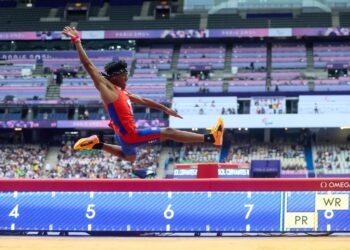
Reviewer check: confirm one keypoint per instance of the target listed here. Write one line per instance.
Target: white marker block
(92, 195)
(332, 202)
(15, 194)
(13, 226)
(167, 227)
(300, 220)
(170, 194)
(247, 227)
(328, 227)
(89, 227)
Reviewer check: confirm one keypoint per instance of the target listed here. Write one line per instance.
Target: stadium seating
(226, 21)
(197, 152)
(205, 105)
(344, 19)
(22, 161)
(326, 104)
(17, 67)
(82, 88)
(331, 159)
(151, 59)
(330, 53)
(249, 56)
(291, 156)
(212, 55)
(194, 85)
(98, 164)
(22, 92)
(290, 55)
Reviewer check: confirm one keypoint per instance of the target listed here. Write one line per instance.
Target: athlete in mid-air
(117, 101)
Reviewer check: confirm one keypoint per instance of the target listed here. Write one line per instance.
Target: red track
(213, 185)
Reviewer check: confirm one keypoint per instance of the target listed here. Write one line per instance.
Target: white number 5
(90, 211)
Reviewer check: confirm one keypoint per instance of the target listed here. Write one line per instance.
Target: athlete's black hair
(116, 68)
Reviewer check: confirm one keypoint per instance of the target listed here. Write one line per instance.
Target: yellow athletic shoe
(218, 132)
(86, 143)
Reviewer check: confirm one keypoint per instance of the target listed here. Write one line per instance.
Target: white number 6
(168, 213)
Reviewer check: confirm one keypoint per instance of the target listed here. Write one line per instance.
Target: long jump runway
(170, 243)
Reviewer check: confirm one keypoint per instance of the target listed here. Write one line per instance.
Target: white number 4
(90, 211)
(250, 208)
(14, 212)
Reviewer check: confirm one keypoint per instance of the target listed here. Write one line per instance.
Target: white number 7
(250, 208)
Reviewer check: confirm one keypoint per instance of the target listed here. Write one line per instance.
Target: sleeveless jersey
(121, 114)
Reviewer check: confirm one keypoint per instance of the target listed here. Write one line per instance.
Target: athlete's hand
(169, 111)
(70, 31)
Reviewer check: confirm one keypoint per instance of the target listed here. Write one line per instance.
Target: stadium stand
(29, 161)
(331, 159)
(324, 104)
(97, 164)
(249, 60)
(201, 54)
(330, 53)
(238, 71)
(249, 56)
(226, 21)
(289, 56)
(291, 156)
(205, 105)
(149, 60)
(22, 161)
(28, 19)
(197, 153)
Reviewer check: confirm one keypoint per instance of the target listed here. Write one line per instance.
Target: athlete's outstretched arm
(88, 65)
(152, 104)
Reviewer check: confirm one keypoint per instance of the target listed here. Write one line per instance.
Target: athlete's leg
(93, 142)
(117, 151)
(188, 137)
(180, 136)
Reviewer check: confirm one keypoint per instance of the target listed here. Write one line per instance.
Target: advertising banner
(238, 33)
(61, 54)
(132, 34)
(179, 34)
(263, 121)
(78, 124)
(225, 170)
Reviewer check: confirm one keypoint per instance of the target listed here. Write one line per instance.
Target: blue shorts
(129, 142)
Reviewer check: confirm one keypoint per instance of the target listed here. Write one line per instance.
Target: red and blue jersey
(123, 124)
(121, 114)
